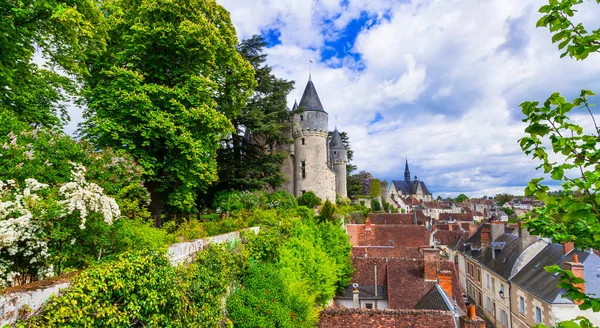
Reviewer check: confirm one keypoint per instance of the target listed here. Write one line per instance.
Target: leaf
(538, 129)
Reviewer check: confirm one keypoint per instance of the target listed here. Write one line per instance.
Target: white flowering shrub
(25, 213)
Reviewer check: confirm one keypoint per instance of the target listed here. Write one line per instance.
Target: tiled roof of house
(446, 237)
(406, 285)
(537, 281)
(504, 258)
(456, 217)
(388, 235)
(385, 218)
(387, 251)
(433, 300)
(340, 317)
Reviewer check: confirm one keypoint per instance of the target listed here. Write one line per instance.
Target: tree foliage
(61, 32)
(164, 89)
(375, 188)
(461, 198)
(573, 159)
(254, 152)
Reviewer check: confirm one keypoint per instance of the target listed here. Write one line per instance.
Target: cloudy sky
(438, 81)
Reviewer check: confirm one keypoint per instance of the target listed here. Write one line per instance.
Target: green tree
(375, 188)
(163, 90)
(501, 199)
(61, 31)
(375, 205)
(253, 154)
(575, 158)
(461, 198)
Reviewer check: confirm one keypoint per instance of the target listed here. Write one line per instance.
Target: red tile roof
(446, 237)
(385, 218)
(384, 251)
(382, 234)
(339, 317)
(456, 216)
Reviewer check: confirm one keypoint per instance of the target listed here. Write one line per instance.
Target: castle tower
(309, 130)
(339, 159)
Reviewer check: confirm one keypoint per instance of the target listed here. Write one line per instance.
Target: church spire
(295, 105)
(406, 172)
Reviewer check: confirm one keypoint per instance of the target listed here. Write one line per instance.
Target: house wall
(564, 312)
(462, 271)
(498, 304)
(527, 319)
(349, 304)
(474, 277)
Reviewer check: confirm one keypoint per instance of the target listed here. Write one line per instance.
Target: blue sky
(437, 81)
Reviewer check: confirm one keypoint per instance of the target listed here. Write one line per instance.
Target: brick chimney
(577, 269)
(496, 230)
(471, 320)
(450, 226)
(445, 281)
(430, 263)
(525, 239)
(472, 229)
(568, 247)
(368, 224)
(485, 237)
(355, 299)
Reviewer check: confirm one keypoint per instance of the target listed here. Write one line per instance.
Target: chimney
(368, 224)
(355, 300)
(471, 320)
(577, 269)
(445, 281)
(450, 226)
(366, 253)
(472, 229)
(497, 229)
(525, 239)
(485, 237)
(568, 247)
(430, 263)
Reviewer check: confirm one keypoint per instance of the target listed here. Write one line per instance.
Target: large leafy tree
(252, 156)
(60, 31)
(574, 159)
(163, 90)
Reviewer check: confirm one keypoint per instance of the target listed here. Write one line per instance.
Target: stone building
(406, 188)
(316, 162)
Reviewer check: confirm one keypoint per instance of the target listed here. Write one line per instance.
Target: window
(538, 315)
(488, 304)
(487, 281)
(478, 275)
(301, 117)
(493, 285)
(303, 169)
(335, 152)
(502, 290)
(521, 305)
(369, 306)
(303, 141)
(503, 318)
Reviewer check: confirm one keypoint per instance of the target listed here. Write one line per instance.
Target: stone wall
(337, 317)
(30, 298)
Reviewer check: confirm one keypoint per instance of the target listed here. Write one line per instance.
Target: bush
(327, 212)
(144, 289)
(281, 200)
(229, 201)
(343, 201)
(394, 210)
(190, 229)
(375, 188)
(309, 199)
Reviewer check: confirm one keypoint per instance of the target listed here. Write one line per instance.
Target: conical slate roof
(336, 140)
(310, 99)
(295, 105)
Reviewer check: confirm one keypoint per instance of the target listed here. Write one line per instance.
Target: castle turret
(310, 145)
(339, 159)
